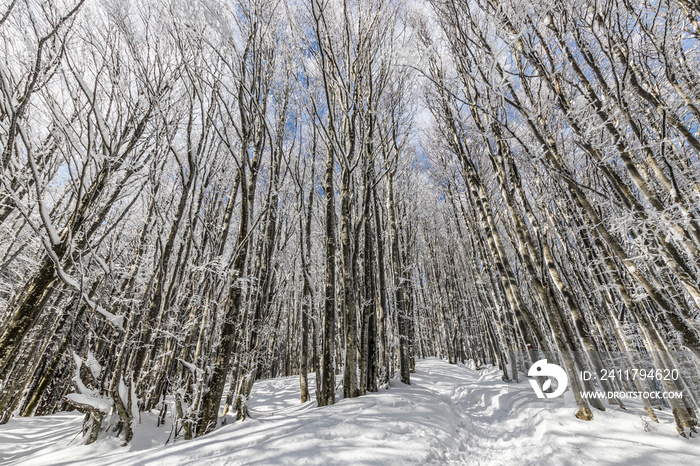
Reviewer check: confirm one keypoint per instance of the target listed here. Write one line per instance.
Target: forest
(199, 195)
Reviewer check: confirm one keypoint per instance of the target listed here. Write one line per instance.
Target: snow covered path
(450, 414)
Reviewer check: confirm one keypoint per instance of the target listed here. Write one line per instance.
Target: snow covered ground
(450, 414)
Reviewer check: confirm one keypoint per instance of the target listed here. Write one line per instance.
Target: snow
(46, 218)
(99, 403)
(93, 365)
(85, 395)
(450, 414)
(78, 381)
(192, 368)
(134, 401)
(116, 321)
(123, 392)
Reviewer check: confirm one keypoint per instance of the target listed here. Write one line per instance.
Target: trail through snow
(450, 414)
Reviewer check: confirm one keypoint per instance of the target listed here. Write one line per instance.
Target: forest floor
(450, 414)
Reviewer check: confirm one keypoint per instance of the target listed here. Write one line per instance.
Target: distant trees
(196, 195)
(355, 75)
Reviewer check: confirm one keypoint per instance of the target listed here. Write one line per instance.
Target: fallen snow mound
(450, 414)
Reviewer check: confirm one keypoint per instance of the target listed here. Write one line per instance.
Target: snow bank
(451, 414)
